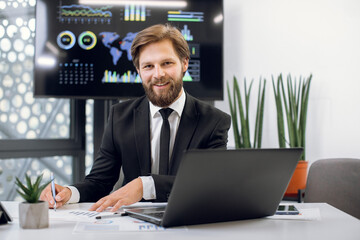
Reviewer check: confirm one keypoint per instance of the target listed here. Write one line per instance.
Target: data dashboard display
(83, 46)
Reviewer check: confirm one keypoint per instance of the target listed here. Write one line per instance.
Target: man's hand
(128, 194)
(63, 195)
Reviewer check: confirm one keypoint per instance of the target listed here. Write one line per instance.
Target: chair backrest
(336, 182)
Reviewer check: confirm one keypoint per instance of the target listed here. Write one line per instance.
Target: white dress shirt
(149, 191)
(155, 129)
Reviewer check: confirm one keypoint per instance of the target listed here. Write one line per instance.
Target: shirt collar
(177, 106)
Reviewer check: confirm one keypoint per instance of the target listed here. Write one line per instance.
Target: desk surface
(334, 224)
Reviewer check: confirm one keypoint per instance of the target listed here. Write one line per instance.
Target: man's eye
(147, 66)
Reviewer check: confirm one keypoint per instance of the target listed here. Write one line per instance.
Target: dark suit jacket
(126, 144)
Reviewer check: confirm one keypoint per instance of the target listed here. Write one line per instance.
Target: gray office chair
(336, 182)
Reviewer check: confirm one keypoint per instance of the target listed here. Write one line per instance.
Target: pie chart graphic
(87, 40)
(66, 40)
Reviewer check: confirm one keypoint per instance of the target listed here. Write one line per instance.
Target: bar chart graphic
(114, 77)
(186, 33)
(194, 50)
(180, 16)
(193, 72)
(135, 13)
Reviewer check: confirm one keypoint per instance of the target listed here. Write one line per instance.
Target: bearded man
(147, 136)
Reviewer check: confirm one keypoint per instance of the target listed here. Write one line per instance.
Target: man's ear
(138, 71)
(185, 64)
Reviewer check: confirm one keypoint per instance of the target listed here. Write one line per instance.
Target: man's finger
(64, 195)
(118, 205)
(96, 205)
(105, 205)
(47, 197)
(43, 194)
(50, 198)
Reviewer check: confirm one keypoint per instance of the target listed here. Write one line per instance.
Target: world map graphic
(116, 45)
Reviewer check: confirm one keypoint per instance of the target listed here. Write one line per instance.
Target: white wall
(322, 37)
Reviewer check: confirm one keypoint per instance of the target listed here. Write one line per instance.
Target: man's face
(161, 72)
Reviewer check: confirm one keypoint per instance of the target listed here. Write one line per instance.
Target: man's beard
(166, 97)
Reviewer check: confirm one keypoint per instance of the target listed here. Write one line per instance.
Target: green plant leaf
(304, 107)
(287, 107)
(295, 106)
(260, 115)
(236, 88)
(257, 117)
(28, 182)
(240, 114)
(234, 116)
(245, 119)
(24, 196)
(279, 108)
(32, 191)
(22, 187)
(244, 133)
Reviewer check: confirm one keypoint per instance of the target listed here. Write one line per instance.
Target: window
(37, 136)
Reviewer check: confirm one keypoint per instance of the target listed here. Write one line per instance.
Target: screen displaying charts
(83, 47)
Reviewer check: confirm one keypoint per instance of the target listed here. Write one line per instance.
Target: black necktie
(164, 141)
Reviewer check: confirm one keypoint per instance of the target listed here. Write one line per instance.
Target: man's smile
(161, 85)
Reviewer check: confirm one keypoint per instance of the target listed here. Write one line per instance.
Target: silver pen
(53, 188)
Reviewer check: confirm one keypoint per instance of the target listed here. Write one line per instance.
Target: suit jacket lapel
(187, 126)
(142, 136)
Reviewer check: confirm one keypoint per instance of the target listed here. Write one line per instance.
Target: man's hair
(157, 33)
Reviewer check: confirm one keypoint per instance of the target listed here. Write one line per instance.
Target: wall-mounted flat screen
(82, 47)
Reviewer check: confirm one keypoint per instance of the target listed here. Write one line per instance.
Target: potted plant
(293, 101)
(33, 213)
(239, 110)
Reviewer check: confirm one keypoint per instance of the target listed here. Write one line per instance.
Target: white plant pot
(34, 215)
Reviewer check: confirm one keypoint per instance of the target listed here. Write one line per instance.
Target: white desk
(334, 224)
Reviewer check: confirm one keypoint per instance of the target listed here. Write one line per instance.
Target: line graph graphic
(76, 13)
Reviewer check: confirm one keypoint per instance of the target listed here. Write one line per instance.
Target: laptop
(224, 185)
(4, 216)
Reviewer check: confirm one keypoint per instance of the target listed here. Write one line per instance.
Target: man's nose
(159, 72)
